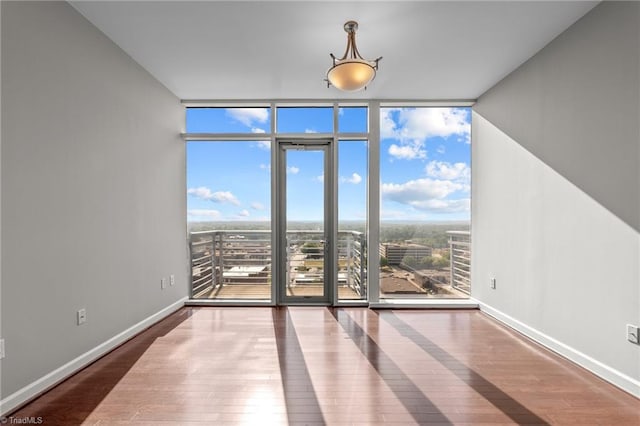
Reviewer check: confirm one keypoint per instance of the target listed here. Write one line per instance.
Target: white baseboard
(46, 382)
(611, 375)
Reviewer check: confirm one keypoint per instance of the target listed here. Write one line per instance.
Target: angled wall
(556, 194)
(93, 199)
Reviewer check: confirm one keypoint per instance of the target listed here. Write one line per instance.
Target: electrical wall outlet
(1, 348)
(633, 334)
(172, 279)
(163, 283)
(82, 316)
(492, 283)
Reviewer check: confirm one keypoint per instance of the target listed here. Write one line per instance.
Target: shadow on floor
(300, 397)
(412, 398)
(509, 406)
(72, 401)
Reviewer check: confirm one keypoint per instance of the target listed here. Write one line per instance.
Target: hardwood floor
(303, 365)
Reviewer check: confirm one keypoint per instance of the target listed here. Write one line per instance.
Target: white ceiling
(280, 50)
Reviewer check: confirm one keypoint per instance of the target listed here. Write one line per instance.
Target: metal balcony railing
(223, 258)
(460, 255)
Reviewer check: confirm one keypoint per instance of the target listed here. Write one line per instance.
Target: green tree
(427, 262)
(440, 262)
(312, 250)
(411, 261)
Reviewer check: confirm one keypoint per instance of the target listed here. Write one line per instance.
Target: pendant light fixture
(351, 72)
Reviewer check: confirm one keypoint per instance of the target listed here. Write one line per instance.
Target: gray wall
(0, 200)
(556, 187)
(93, 190)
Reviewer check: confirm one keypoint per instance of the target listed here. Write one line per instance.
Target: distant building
(246, 275)
(395, 253)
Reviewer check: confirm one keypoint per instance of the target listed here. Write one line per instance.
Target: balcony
(236, 265)
(460, 254)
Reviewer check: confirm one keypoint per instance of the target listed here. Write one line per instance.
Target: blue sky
(425, 164)
(425, 158)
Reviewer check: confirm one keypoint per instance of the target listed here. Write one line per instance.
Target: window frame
(372, 136)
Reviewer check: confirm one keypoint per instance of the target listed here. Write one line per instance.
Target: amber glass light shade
(351, 75)
(351, 72)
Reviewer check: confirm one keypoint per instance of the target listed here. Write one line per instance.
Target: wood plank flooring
(304, 365)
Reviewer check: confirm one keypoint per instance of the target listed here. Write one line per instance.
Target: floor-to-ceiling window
(229, 204)
(425, 178)
(352, 175)
(279, 202)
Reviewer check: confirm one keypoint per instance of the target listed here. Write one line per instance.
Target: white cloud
(354, 179)
(225, 197)
(426, 195)
(419, 189)
(248, 116)
(200, 192)
(203, 214)
(257, 130)
(444, 206)
(266, 145)
(310, 131)
(217, 197)
(293, 170)
(387, 125)
(441, 149)
(408, 151)
(422, 123)
(319, 178)
(257, 206)
(244, 213)
(449, 171)
(265, 166)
